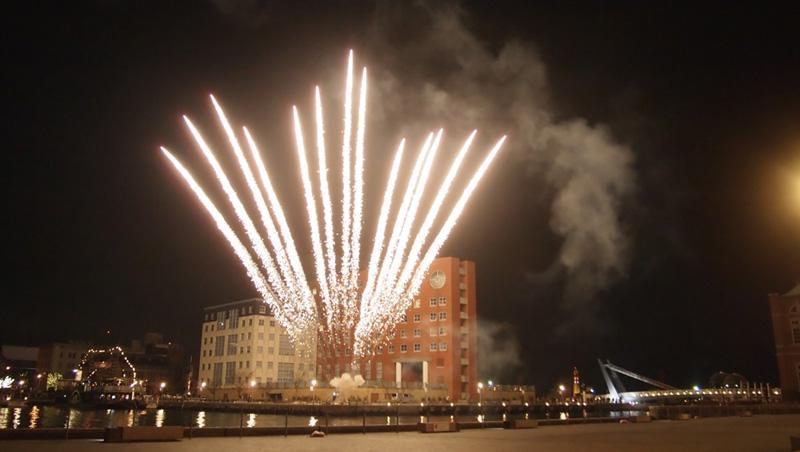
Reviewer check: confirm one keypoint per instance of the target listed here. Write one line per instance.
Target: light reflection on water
(59, 417)
(34, 417)
(17, 417)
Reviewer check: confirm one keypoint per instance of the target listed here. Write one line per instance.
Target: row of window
(433, 346)
(285, 372)
(258, 364)
(221, 324)
(230, 313)
(260, 336)
(432, 317)
(285, 347)
(432, 302)
(432, 331)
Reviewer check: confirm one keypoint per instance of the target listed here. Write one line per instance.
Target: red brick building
(785, 313)
(436, 344)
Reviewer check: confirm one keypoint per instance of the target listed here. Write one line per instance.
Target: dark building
(785, 312)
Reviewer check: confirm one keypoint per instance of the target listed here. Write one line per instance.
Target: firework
(341, 312)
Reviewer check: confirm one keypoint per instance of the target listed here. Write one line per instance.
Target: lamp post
(480, 395)
(561, 389)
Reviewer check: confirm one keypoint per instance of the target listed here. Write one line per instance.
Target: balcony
(463, 300)
(464, 362)
(463, 315)
(462, 286)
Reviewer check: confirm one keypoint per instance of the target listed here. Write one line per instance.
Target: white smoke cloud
(443, 74)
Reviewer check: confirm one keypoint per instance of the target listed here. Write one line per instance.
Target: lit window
(432, 331)
(416, 303)
(403, 348)
(443, 346)
(433, 316)
(442, 315)
(433, 347)
(417, 347)
(442, 331)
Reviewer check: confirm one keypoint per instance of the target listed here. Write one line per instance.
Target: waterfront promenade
(758, 433)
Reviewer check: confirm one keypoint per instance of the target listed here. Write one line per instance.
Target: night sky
(99, 234)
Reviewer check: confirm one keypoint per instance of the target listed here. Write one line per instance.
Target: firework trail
(341, 312)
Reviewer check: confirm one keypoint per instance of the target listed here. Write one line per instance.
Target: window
(416, 318)
(379, 371)
(285, 347)
(433, 316)
(260, 349)
(204, 343)
(271, 323)
(250, 323)
(271, 351)
(417, 347)
(433, 347)
(248, 349)
(404, 318)
(432, 331)
(217, 378)
(230, 372)
(261, 322)
(219, 349)
(442, 315)
(442, 301)
(269, 365)
(241, 363)
(368, 372)
(285, 372)
(442, 331)
(262, 309)
(391, 349)
(249, 336)
(272, 336)
(380, 350)
(259, 364)
(403, 348)
(247, 364)
(417, 332)
(205, 330)
(402, 333)
(260, 336)
(232, 344)
(416, 303)
(392, 334)
(432, 302)
(443, 346)
(242, 335)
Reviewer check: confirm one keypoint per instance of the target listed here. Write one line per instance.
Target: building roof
(18, 354)
(794, 292)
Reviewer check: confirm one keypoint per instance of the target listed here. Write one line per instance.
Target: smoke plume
(442, 74)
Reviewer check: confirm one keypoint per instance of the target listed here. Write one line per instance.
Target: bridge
(742, 390)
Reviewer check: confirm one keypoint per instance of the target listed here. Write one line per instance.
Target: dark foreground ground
(760, 433)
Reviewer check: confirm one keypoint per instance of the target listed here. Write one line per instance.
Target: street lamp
(561, 389)
(480, 396)
(252, 383)
(162, 386)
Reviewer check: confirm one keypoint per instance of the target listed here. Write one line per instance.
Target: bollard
(397, 420)
(364, 423)
(286, 424)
